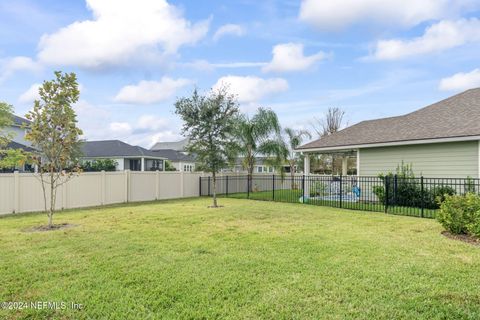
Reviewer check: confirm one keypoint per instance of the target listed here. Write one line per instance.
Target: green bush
(319, 189)
(99, 165)
(405, 190)
(460, 214)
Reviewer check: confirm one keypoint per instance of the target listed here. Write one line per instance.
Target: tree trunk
(214, 178)
(250, 178)
(292, 177)
(52, 201)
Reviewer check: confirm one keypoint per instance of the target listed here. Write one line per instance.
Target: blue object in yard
(356, 190)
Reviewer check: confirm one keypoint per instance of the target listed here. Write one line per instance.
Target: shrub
(99, 165)
(460, 214)
(405, 190)
(319, 189)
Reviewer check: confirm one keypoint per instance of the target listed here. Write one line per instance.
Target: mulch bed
(462, 237)
(52, 228)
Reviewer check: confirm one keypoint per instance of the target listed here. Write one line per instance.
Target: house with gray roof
(17, 131)
(180, 160)
(126, 156)
(175, 145)
(440, 140)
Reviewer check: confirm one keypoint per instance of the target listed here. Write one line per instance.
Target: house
(440, 140)
(17, 131)
(176, 154)
(261, 166)
(128, 157)
(176, 145)
(179, 160)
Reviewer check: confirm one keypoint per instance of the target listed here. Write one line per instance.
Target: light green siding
(452, 159)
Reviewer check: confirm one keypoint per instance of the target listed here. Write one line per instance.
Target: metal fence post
(303, 188)
(209, 186)
(341, 191)
(273, 187)
(422, 196)
(199, 186)
(387, 193)
(395, 188)
(226, 186)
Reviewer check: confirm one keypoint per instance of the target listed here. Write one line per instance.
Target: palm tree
(293, 139)
(258, 136)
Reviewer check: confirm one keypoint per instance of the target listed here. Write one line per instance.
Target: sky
(134, 58)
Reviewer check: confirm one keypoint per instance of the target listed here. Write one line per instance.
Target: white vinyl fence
(22, 192)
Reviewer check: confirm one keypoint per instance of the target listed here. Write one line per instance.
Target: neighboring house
(260, 166)
(440, 140)
(18, 130)
(176, 145)
(128, 157)
(180, 160)
(176, 154)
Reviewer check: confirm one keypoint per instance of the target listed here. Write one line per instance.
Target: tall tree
(55, 134)
(259, 136)
(209, 123)
(330, 123)
(293, 139)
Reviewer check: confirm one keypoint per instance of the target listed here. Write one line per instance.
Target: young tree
(259, 136)
(209, 123)
(55, 134)
(293, 139)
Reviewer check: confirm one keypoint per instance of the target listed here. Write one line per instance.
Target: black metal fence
(391, 194)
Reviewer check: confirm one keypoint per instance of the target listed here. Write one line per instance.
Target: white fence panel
(23, 192)
(142, 186)
(115, 187)
(7, 193)
(84, 190)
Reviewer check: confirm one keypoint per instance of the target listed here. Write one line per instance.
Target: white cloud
(31, 94)
(147, 92)
(337, 14)
(461, 81)
(440, 36)
(251, 88)
(9, 66)
(290, 57)
(120, 128)
(229, 29)
(120, 31)
(144, 131)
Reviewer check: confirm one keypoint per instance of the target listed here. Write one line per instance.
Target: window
(153, 165)
(259, 169)
(135, 165)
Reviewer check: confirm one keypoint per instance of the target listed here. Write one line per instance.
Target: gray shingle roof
(15, 146)
(114, 148)
(457, 116)
(19, 121)
(177, 145)
(174, 155)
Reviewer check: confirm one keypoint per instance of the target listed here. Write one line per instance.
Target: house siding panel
(454, 159)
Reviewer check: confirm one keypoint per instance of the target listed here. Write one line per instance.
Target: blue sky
(134, 57)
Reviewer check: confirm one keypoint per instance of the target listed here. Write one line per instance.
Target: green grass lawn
(247, 260)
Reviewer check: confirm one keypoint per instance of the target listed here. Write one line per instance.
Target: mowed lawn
(248, 260)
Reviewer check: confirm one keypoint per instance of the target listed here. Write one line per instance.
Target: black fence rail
(391, 194)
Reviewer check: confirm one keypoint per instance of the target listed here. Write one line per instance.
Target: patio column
(306, 164)
(345, 165)
(142, 161)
